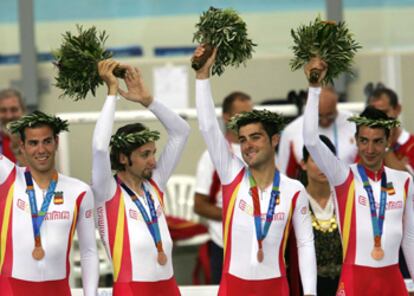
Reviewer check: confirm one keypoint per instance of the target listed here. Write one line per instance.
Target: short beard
(148, 176)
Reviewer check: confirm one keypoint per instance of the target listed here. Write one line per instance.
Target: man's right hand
(318, 64)
(105, 70)
(204, 71)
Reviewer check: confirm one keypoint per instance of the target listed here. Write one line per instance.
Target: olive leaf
(332, 42)
(77, 62)
(224, 29)
(36, 118)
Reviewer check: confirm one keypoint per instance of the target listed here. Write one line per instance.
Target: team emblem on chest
(58, 198)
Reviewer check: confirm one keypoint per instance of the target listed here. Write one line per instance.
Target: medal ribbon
(377, 221)
(39, 216)
(274, 196)
(152, 223)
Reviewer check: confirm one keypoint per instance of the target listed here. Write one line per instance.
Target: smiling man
(208, 195)
(259, 204)
(39, 211)
(375, 203)
(131, 219)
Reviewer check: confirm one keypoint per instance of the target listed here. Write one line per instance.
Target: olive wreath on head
(264, 116)
(36, 118)
(124, 140)
(370, 122)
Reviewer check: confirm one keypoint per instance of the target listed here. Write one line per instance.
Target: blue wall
(60, 10)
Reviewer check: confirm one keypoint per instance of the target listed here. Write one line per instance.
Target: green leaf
(77, 60)
(224, 29)
(332, 42)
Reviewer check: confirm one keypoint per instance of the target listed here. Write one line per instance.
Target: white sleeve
(306, 249)
(408, 229)
(283, 151)
(178, 131)
(334, 169)
(6, 166)
(103, 184)
(204, 174)
(87, 245)
(225, 162)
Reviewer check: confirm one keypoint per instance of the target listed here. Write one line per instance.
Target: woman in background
(325, 228)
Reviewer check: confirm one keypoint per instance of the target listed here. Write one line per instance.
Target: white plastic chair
(105, 267)
(179, 203)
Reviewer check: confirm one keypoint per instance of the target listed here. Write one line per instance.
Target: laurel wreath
(384, 123)
(36, 118)
(264, 116)
(123, 140)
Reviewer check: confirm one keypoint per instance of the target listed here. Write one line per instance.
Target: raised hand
(137, 91)
(315, 65)
(105, 70)
(204, 71)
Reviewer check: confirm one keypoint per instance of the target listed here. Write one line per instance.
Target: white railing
(144, 115)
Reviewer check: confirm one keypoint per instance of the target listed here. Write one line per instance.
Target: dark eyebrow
(256, 134)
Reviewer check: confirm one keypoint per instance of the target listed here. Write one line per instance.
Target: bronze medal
(377, 253)
(38, 253)
(260, 255)
(162, 258)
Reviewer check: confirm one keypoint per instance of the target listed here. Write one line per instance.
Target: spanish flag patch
(58, 198)
(390, 188)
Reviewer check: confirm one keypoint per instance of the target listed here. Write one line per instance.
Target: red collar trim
(375, 176)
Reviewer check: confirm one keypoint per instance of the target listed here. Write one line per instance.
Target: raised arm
(408, 228)
(87, 245)
(335, 169)
(103, 184)
(225, 162)
(177, 128)
(283, 154)
(302, 224)
(178, 131)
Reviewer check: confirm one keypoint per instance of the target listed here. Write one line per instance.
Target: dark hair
(391, 95)
(37, 125)
(372, 113)
(302, 175)
(116, 152)
(228, 101)
(326, 141)
(271, 129)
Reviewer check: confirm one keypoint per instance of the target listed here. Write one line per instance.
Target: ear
(398, 110)
(303, 165)
(123, 159)
(390, 139)
(57, 142)
(21, 146)
(226, 118)
(275, 140)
